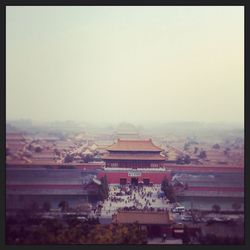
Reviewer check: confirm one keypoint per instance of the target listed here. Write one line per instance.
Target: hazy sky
(135, 64)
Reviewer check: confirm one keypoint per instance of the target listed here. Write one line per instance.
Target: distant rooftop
(134, 145)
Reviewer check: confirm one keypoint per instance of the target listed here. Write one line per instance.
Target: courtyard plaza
(134, 198)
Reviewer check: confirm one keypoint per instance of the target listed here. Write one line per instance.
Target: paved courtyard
(145, 197)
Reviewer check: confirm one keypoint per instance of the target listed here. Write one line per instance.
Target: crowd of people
(134, 208)
(129, 197)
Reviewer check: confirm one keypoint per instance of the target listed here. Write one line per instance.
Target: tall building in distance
(126, 131)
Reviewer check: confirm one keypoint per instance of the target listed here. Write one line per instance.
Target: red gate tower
(134, 161)
(134, 154)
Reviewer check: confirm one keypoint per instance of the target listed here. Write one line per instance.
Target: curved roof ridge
(134, 145)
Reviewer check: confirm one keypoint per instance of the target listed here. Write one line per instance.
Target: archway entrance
(134, 181)
(146, 182)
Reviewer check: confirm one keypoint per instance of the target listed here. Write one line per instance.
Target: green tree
(236, 206)
(226, 151)
(57, 152)
(203, 154)
(196, 150)
(64, 206)
(216, 208)
(46, 206)
(55, 231)
(216, 146)
(168, 189)
(38, 149)
(180, 159)
(88, 158)
(187, 159)
(68, 158)
(103, 188)
(164, 184)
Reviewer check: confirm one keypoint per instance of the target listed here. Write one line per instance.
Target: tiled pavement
(110, 207)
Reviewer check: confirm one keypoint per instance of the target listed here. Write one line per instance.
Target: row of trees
(189, 143)
(46, 206)
(183, 159)
(86, 158)
(54, 231)
(203, 154)
(63, 205)
(212, 239)
(235, 206)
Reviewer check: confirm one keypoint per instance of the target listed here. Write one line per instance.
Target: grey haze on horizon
(132, 64)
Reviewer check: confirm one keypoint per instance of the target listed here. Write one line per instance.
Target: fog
(134, 64)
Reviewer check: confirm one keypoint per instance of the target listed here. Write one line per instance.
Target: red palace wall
(133, 163)
(154, 177)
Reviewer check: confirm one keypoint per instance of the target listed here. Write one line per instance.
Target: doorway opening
(134, 181)
(146, 182)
